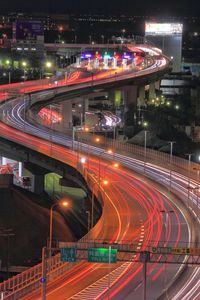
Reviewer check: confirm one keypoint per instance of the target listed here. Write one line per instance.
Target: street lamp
(145, 148)
(114, 165)
(171, 156)
(9, 73)
(24, 65)
(64, 204)
(109, 151)
(189, 167)
(46, 65)
(104, 182)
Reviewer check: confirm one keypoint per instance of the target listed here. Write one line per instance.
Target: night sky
(131, 7)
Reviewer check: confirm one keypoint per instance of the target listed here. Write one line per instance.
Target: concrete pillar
(66, 114)
(141, 98)
(125, 95)
(86, 104)
(157, 84)
(111, 97)
(37, 184)
(130, 93)
(79, 108)
(20, 169)
(4, 161)
(152, 91)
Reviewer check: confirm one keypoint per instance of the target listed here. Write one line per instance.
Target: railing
(150, 156)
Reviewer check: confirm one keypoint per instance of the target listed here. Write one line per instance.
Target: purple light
(88, 55)
(127, 56)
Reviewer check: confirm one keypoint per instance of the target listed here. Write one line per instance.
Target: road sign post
(144, 258)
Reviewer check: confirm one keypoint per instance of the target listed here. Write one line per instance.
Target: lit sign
(163, 28)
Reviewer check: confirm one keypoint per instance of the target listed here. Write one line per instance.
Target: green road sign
(102, 255)
(68, 254)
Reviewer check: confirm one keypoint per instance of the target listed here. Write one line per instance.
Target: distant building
(168, 37)
(28, 36)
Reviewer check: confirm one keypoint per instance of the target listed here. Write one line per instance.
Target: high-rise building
(168, 37)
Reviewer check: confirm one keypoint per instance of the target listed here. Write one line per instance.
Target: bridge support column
(152, 91)
(130, 94)
(66, 114)
(4, 161)
(80, 106)
(86, 104)
(141, 98)
(20, 169)
(124, 96)
(36, 174)
(37, 184)
(116, 98)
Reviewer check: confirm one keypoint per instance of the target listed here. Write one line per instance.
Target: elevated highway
(132, 209)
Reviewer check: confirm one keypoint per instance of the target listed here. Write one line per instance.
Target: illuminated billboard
(163, 28)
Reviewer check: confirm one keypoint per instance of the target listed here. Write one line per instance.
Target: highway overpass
(137, 202)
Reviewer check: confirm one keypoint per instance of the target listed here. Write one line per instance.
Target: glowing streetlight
(24, 65)
(48, 64)
(64, 204)
(7, 62)
(171, 157)
(109, 151)
(104, 182)
(97, 140)
(145, 124)
(9, 73)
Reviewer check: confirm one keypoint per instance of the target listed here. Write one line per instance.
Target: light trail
(127, 198)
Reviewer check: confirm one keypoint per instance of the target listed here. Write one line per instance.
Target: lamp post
(9, 73)
(105, 182)
(109, 151)
(189, 167)
(47, 65)
(171, 156)
(197, 187)
(145, 148)
(114, 165)
(24, 65)
(65, 204)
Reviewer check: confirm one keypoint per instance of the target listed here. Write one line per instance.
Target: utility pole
(43, 280)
